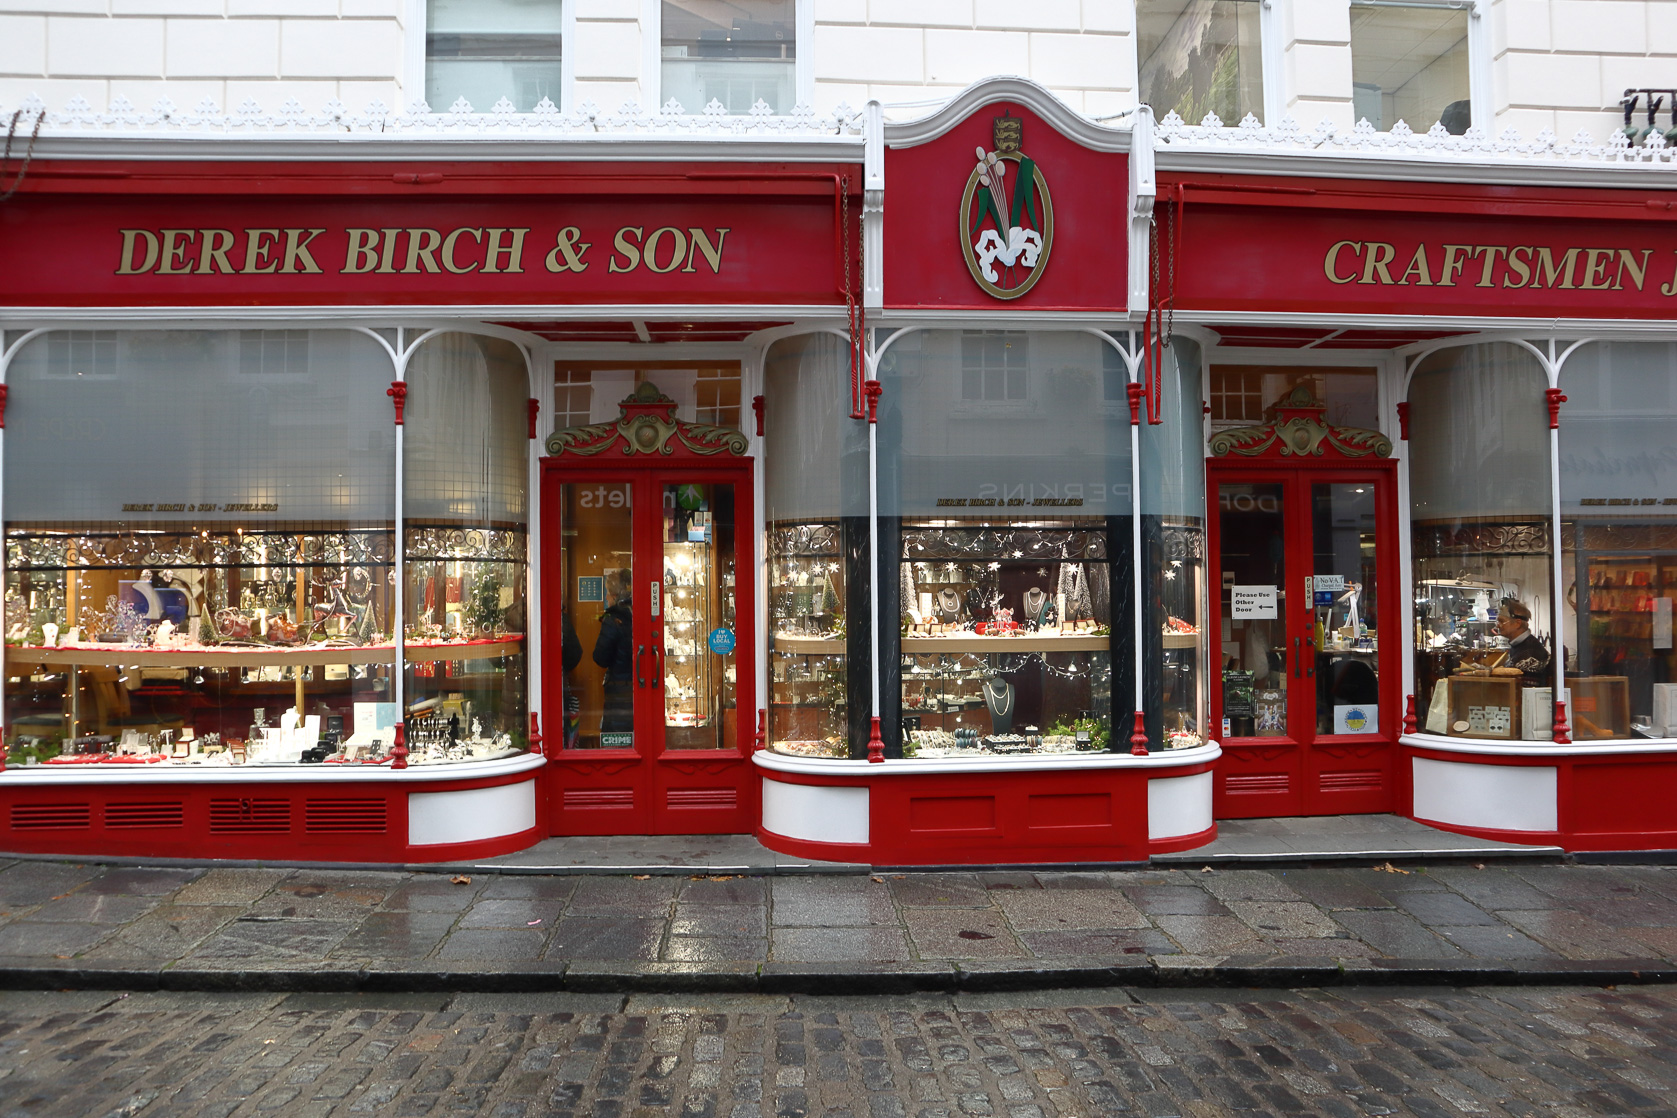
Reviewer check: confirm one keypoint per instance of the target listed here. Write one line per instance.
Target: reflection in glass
(1173, 549)
(1409, 63)
(1199, 57)
(1480, 509)
(1346, 614)
(806, 384)
(736, 53)
(596, 555)
(698, 667)
(466, 513)
(1251, 529)
(486, 50)
(199, 548)
(1619, 537)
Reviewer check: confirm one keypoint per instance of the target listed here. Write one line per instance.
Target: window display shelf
(1029, 642)
(1181, 640)
(811, 646)
(249, 657)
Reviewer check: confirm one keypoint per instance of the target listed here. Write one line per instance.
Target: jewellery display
(1000, 651)
(176, 637)
(808, 695)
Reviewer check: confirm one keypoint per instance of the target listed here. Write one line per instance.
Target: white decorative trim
(153, 775)
(420, 121)
(1046, 762)
(1403, 143)
(1037, 98)
(1542, 748)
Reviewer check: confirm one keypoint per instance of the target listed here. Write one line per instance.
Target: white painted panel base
(1496, 797)
(1178, 805)
(815, 813)
(470, 814)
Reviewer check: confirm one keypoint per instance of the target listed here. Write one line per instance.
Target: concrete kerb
(582, 976)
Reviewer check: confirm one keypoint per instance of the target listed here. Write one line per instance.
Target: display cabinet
(1006, 637)
(699, 683)
(807, 661)
(203, 646)
(1180, 623)
(465, 642)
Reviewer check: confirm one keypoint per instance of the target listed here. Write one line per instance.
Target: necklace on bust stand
(948, 604)
(998, 698)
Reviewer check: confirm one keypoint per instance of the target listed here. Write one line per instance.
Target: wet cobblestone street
(1351, 1051)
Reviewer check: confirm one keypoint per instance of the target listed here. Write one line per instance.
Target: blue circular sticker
(722, 641)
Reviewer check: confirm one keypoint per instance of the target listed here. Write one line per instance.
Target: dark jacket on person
(614, 649)
(571, 648)
(1527, 653)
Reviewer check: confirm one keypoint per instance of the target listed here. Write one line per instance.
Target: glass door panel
(697, 669)
(599, 655)
(1258, 651)
(1345, 607)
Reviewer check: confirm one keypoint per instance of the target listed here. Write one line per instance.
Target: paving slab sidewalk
(67, 925)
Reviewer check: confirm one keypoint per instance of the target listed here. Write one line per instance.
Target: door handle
(640, 651)
(1297, 657)
(657, 666)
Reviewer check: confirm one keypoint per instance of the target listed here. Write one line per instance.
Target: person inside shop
(614, 651)
(1525, 651)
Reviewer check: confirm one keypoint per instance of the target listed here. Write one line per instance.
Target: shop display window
(1007, 634)
(1005, 470)
(1480, 508)
(806, 480)
(466, 512)
(1173, 554)
(1410, 62)
(1619, 539)
(206, 576)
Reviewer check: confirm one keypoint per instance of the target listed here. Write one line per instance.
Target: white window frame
(415, 26)
(652, 54)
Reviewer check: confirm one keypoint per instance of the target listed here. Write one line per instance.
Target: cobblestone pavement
(560, 930)
(1353, 1051)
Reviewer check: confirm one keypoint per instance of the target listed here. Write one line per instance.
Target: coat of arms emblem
(1007, 217)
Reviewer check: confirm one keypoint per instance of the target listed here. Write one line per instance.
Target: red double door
(648, 672)
(1305, 602)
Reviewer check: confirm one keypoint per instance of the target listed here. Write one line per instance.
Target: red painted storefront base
(355, 816)
(957, 812)
(1583, 797)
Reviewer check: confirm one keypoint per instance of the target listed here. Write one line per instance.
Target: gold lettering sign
(461, 250)
(1498, 266)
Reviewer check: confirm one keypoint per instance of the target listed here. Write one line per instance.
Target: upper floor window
(484, 50)
(735, 52)
(1201, 56)
(994, 365)
(1409, 62)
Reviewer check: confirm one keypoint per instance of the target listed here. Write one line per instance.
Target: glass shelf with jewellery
(807, 661)
(1006, 637)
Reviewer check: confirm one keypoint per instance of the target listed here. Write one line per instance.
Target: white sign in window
(1256, 603)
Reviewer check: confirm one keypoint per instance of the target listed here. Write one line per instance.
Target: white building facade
(1531, 65)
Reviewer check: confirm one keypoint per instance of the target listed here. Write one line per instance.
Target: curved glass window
(1619, 539)
(1480, 507)
(1005, 472)
(1173, 550)
(465, 523)
(199, 547)
(806, 396)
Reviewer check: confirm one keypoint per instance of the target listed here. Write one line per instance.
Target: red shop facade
(996, 487)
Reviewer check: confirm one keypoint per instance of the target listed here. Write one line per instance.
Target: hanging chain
(850, 303)
(6, 159)
(1170, 305)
